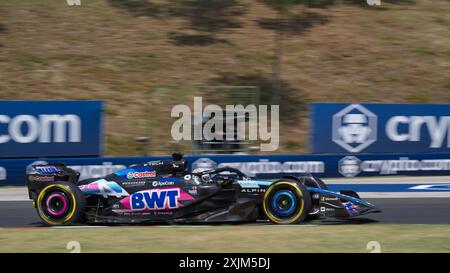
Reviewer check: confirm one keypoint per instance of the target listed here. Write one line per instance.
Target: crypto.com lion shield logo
(354, 128)
(349, 166)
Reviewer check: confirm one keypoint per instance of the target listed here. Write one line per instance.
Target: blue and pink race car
(164, 191)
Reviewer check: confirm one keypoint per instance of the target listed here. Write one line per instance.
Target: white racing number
(74, 247)
(374, 247)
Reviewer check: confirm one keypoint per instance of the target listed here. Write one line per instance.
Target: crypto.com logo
(354, 128)
(73, 2)
(349, 166)
(213, 123)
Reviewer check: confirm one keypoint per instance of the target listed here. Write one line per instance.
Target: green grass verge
(234, 238)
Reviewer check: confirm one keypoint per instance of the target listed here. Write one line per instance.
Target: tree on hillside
(284, 8)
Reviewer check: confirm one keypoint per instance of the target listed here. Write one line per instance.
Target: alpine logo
(354, 128)
(140, 175)
(155, 199)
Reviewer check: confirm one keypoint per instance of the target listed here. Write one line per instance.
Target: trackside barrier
(12, 171)
(51, 128)
(379, 128)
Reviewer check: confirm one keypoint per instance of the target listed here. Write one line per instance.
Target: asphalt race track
(395, 211)
(404, 205)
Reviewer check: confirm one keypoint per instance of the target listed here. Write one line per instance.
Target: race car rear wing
(42, 175)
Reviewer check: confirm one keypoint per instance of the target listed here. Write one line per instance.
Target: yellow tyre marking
(270, 214)
(45, 218)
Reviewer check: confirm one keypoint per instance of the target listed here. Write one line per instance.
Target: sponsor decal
(104, 188)
(155, 199)
(329, 198)
(194, 179)
(437, 129)
(259, 190)
(380, 128)
(41, 129)
(354, 128)
(86, 171)
(29, 168)
(134, 183)
(141, 175)
(327, 209)
(351, 208)
(3, 173)
(248, 184)
(42, 178)
(47, 170)
(264, 166)
(351, 166)
(193, 190)
(162, 183)
(163, 213)
(155, 163)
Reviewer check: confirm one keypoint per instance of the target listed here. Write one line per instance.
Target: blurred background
(144, 56)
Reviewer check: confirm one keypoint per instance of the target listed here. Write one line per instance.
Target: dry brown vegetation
(144, 56)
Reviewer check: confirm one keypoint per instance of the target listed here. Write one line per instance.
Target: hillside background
(143, 57)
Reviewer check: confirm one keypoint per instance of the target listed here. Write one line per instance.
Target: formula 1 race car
(163, 191)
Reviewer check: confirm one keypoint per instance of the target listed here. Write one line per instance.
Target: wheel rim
(57, 204)
(284, 202)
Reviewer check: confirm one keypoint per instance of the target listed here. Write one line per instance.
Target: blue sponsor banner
(12, 171)
(380, 128)
(50, 128)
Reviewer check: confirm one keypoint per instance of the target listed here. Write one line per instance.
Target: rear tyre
(286, 202)
(61, 203)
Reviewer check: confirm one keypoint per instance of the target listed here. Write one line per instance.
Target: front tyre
(61, 203)
(286, 202)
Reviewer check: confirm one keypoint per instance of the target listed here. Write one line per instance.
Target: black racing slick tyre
(61, 203)
(286, 202)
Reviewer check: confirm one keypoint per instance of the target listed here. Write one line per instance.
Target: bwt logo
(155, 199)
(41, 129)
(354, 128)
